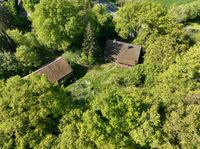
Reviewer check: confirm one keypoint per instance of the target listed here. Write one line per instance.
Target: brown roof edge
(56, 69)
(49, 63)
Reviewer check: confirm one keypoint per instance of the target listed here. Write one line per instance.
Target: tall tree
(58, 23)
(28, 50)
(30, 110)
(140, 19)
(89, 45)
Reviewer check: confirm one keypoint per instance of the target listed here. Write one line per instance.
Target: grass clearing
(172, 2)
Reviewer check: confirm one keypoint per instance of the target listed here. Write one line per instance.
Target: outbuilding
(123, 54)
(56, 70)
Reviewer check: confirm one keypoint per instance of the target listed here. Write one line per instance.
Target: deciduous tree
(58, 24)
(9, 66)
(30, 110)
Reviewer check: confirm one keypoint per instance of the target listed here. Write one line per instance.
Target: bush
(72, 57)
(27, 57)
(9, 66)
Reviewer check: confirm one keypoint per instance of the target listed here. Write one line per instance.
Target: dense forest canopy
(155, 104)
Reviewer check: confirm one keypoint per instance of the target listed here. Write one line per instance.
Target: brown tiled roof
(55, 70)
(124, 54)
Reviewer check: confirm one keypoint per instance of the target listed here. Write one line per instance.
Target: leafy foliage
(186, 12)
(101, 14)
(15, 15)
(144, 16)
(28, 50)
(9, 66)
(130, 116)
(151, 105)
(4, 18)
(30, 111)
(162, 52)
(29, 5)
(89, 45)
(27, 57)
(58, 23)
(6, 44)
(29, 39)
(178, 89)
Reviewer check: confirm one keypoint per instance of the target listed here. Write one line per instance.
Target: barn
(56, 70)
(123, 54)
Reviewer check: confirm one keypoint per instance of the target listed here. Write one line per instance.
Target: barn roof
(123, 54)
(56, 70)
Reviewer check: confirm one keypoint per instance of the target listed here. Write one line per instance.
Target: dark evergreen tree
(89, 45)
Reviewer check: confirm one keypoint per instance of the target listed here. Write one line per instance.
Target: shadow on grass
(195, 20)
(79, 71)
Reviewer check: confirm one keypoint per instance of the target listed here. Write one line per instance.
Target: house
(56, 70)
(123, 54)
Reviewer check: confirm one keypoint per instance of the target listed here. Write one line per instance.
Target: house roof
(123, 54)
(56, 70)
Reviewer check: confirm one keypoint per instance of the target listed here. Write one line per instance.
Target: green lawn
(194, 26)
(171, 2)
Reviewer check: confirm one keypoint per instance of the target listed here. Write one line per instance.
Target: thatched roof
(123, 54)
(56, 70)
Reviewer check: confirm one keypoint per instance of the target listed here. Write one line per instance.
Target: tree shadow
(79, 71)
(141, 57)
